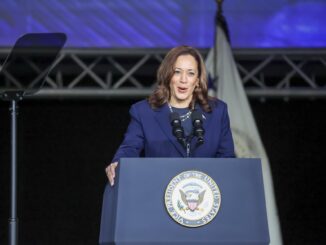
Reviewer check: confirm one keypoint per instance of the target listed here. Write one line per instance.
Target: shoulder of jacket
(217, 104)
(141, 106)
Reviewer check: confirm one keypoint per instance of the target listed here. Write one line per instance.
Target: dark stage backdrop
(64, 146)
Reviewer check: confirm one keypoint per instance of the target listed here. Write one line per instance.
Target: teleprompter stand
(30, 60)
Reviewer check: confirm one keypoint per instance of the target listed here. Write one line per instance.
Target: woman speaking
(169, 122)
(178, 119)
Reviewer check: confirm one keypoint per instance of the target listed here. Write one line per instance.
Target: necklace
(183, 117)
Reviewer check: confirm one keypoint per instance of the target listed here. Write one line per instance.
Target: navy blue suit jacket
(150, 130)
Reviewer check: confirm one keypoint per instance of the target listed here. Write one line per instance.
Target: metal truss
(283, 73)
(131, 73)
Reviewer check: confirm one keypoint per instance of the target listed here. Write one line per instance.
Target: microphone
(198, 129)
(177, 129)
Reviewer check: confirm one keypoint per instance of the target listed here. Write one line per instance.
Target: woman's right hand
(110, 172)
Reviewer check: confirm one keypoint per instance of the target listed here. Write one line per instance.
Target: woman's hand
(110, 172)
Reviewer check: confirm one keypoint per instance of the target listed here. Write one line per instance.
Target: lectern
(134, 210)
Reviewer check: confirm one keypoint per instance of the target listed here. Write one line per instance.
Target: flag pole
(219, 21)
(219, 12)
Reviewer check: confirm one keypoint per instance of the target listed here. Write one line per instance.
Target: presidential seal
(192, 198)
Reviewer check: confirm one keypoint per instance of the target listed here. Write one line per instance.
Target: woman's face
(183, 81)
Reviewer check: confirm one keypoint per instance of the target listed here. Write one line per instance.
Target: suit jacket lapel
(162, 116)
(206, 117)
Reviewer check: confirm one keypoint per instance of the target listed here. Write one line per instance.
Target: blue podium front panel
(138, 214)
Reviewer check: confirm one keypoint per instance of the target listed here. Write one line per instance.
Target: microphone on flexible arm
(177, 129)
(198, 129)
